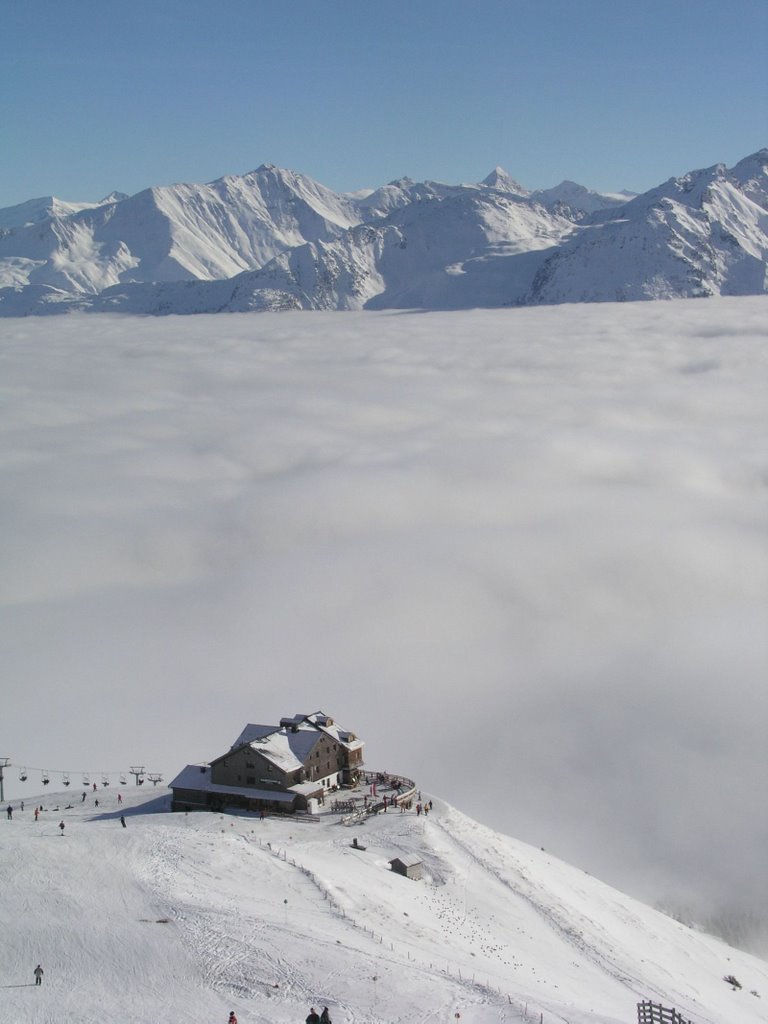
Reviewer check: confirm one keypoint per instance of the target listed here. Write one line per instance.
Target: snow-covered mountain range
(186, 917)
(275, 239)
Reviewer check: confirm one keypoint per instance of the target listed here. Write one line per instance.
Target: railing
(655, 1013)
(373, 806)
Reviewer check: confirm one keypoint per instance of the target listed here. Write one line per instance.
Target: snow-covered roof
(289, 744)
(192, 777)
(252, 732)
(408, 860)
(286, 749)
(307, 788)
(331, 728)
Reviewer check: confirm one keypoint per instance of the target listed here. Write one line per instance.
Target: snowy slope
(473, 247)
(34, 211)
(577, 200)
(703, 234)
(282, 241)
(177, 232)
(186, 917)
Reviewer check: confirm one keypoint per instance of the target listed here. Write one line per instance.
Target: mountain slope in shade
(209, 913)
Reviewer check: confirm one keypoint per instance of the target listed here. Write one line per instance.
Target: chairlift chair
(46, 779)
(23, 775)
(65, 778)
(123, 780)
(86, 780)
(105, 780)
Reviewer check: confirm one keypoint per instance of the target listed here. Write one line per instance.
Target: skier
(119, 798)
(38, 972)
(37, 814)
(232, 1017)
(325, 1017)
(61, 826)
(122, 821)
(83, 800)
(9, 812)
(313, 1017)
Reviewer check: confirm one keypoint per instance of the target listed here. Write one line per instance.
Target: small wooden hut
(407, 865)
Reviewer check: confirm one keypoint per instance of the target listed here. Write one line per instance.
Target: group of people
(62, 826)
(315, 1018)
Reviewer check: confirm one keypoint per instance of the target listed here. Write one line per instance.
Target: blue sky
(99, 96)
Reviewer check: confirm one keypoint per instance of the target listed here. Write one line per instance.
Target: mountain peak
(500, 179)
(113, 197)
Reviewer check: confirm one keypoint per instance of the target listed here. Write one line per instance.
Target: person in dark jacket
(325, 1017)
(313, 1017)
(38, 972)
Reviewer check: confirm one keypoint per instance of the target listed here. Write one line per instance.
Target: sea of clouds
(523, 553)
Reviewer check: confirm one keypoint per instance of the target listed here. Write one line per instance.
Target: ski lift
(123, 780)
(86, 779)
(105, 780)
(23, 775)
(46, 779)
(65, 778)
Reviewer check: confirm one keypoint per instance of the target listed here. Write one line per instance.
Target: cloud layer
(522, 552)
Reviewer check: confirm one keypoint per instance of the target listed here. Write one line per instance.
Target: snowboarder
(38, 972)
(313, 1017)
(325, 1017)
(9, 812)
(61, 826)
(122, 821)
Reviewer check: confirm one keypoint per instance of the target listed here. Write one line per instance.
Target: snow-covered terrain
(186, 917)
(275, 240)
(180, 232)
(35, 211)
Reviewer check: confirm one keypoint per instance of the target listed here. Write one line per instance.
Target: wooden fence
(655, 1013)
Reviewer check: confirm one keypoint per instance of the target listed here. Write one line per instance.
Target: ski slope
(184, 917)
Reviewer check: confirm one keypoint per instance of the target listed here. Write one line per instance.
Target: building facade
(274, 768)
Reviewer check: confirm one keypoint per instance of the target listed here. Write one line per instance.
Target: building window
(250, 780)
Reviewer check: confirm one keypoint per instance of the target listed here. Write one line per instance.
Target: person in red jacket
(232, 1017)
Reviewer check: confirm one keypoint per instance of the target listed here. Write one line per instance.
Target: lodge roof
(289, 744)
